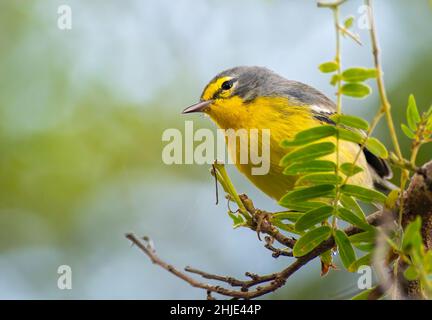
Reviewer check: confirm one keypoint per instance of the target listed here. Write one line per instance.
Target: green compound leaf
(358, 74)
(330, 66)
(312, 217)
(413, 116)
(310, 135)
(376, 147)
(408, 131)
(310, 167)
(350, 121)
(363, 194)
(363, 261)
(308, 152)
(350, 169)
(311, 240)
(345, 248)
(319, 178)
(355, 90)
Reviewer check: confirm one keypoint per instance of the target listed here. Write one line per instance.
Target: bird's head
(227, 97)
(235, 96)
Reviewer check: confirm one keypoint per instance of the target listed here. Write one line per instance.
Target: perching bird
(258, 98)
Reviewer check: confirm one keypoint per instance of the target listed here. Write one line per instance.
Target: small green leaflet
(334, 79)
(429, 119)
(355, 90)
(349, 135)
(351, 203)
(350, 169)
(413, 116)
(363, 194)
(366, 247)
(376, 147)
(308, 193)
(364, 295)
(411, 273)
(364, 241)
(237, 219)
(408, 131)
(308, 152)
(358, 74)
(412, 238)
(348, 22)
(311, 240)
(292, 216)
(310, 135)
(428, 262)
(326, 262)
(363, 237)
(350, 121)
(319, 178)
(345, 248)
(284, 226)
(353, 219)
(312, 217)
(309, 167)
(301, 206)
(363, 261)
(327, 67)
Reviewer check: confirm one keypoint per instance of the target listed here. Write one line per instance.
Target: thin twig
(244, 284)
(385, 104)
(350, 34)
(276, 251)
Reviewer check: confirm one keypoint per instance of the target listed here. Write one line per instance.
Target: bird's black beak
(198, 107)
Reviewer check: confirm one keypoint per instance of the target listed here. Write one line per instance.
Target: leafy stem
(385, 104)
(338, 104)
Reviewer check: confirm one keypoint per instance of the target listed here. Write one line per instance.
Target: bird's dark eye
(227, 85)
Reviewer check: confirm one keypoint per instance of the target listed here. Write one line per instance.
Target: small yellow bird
(257, 98)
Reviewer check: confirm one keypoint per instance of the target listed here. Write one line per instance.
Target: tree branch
(271, 282)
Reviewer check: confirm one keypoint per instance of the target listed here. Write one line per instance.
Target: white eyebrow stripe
(321, 109)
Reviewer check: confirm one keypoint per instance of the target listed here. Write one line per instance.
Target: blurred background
(82, 112)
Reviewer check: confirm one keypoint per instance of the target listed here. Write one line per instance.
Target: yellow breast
(283, 122)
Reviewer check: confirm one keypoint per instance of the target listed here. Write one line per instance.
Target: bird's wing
(322, 108)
